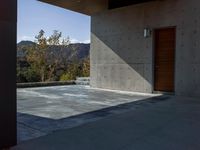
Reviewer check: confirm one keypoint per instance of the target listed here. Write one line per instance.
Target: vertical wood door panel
(164, 59)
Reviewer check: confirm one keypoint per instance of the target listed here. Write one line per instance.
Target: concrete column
(8, 19)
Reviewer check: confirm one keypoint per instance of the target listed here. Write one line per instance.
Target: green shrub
(32, 75)
(66, 77)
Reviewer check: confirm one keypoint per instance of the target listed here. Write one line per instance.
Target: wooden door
(164, 59)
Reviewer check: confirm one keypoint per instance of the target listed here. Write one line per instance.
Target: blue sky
(34, 16)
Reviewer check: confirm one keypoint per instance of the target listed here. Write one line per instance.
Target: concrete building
(136, 45)
(143, 45)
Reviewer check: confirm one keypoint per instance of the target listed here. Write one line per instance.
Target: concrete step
(82, 81)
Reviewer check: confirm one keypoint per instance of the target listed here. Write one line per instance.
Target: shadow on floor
(30, 126)
(164, 122)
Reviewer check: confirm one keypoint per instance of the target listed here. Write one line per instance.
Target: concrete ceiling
(88, 7)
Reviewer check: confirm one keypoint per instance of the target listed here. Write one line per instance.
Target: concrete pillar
(8, 19)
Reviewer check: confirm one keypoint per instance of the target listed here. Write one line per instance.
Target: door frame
(154, 59)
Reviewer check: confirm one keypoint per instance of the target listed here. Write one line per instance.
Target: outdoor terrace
(79, 117)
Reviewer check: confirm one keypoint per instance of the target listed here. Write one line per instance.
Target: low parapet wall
(43, 84)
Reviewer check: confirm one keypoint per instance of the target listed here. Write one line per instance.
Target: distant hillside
(25, 43)
(78, 50)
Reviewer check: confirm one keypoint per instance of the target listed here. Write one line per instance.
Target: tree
(36, 55)
(51, 59)
(86, 67)
(39, 59)
(73, 71)
(54, 39)
(56, 59)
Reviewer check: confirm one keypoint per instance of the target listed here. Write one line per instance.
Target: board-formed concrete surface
(122, 59)
(156, 123)
(43, 110)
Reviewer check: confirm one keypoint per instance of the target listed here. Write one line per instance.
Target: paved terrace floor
(122, 123)
(46, 109)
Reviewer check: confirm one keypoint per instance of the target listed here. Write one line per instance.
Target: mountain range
(79, 51)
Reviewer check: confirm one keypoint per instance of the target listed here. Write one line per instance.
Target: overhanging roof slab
(88, 7)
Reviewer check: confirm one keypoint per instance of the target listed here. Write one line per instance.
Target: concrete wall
(122, 59)
(8, 11)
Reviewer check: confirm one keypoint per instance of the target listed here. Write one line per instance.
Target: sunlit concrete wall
(122, 59)
(8, 13)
